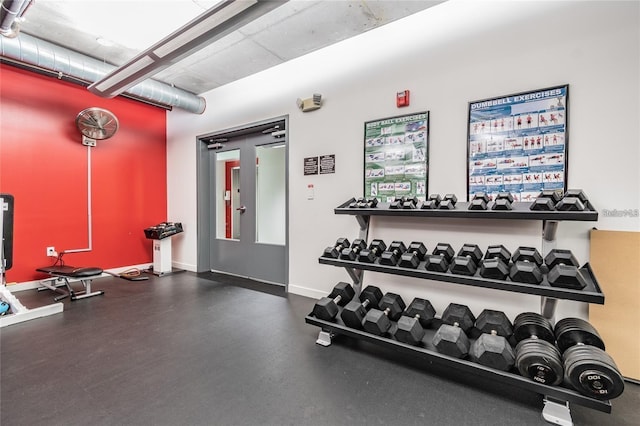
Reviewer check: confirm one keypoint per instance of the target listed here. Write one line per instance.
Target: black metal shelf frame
(557, 392)
(520, 210)
(556, 399)
(590, 294)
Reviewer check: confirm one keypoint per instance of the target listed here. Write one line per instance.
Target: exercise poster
(396, 157)
(518, 143)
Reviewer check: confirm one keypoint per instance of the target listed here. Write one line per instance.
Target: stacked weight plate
(588, 368)
(536, 355)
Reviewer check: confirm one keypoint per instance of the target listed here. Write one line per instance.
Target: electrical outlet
(51, 251)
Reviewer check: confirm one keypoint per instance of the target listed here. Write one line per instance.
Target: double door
(246, 192)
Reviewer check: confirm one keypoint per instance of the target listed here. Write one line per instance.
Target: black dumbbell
(588, 368)
(418, 316)
(546, 200)
(526, 266)
(492, 348)
(392, 255)
(495, 264)
(415, 254)
(404, 203)
(448, 202)
(503, 201)
(451, 338)
(327, 307)
(564, 270)
(369, 255)
(536, 355)
(573, 200)
(363, 203)
(334, 251)
(354, 312)
(467, 260)
(480, 201)
(440, 258)
(351, 253)
(432, 202)
(378, 321)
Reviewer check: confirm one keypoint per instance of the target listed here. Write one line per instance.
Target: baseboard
(305, 291)
(186, 266)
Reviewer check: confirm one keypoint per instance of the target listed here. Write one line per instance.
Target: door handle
(242, 209)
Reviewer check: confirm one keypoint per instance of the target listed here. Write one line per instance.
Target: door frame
(205, 188)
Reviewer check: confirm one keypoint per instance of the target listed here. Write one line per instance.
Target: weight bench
(59, 280)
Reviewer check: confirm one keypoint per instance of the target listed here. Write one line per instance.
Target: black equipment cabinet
(556, 398)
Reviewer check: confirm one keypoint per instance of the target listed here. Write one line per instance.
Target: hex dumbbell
(440, 258)
(496, 262)
(480, 201)
(503, 201)
(492, 348)
(327, 307)
(564, 270)
(433, 202)
(415, 254)
(573, 200)
(369, 255)
(392, 255)
(411, 325)
(451, 338)
(354, 312)
(334, 251)
(546, 200)
(526, 266)
(378, 321)
(351, 253)
(467, 260)
(448, 202)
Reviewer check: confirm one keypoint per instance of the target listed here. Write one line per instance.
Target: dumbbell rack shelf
(520, 210)
(429, 354)
(556, 398)
(590, 294)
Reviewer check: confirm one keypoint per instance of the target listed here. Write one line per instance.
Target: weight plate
(572, 331)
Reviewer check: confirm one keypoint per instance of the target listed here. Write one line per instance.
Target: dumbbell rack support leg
(549, 230)
(556, 412)
(356, 275)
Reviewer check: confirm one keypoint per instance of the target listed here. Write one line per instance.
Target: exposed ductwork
(30, 50)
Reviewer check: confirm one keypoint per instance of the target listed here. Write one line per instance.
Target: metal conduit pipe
(33, 51)
(10, 10)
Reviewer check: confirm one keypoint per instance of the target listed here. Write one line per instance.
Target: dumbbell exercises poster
(396, 157)
(518, 143)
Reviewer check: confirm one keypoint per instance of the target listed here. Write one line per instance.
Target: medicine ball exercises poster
(396, 157)
(518, 143)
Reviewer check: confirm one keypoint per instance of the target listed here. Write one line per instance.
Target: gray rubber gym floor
(207, 350)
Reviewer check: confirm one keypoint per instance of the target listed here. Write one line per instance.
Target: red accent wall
(43, 164)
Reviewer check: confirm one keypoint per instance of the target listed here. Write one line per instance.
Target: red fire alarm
(402, 99)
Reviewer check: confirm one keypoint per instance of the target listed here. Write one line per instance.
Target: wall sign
(396, 157)
(518, 143)
(310, 166)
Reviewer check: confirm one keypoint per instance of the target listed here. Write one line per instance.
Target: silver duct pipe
(33, 51)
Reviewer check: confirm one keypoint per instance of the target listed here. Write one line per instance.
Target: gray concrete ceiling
(292, 30)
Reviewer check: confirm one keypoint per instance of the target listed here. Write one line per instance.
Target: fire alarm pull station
(402, 99)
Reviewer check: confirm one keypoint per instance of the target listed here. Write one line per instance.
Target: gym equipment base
(430, 355)
(164, 274)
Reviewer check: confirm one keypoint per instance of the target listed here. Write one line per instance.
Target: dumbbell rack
(556, 398)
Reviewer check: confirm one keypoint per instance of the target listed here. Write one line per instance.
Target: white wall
(447, 56)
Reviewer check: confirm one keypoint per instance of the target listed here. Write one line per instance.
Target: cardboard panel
(615, 258)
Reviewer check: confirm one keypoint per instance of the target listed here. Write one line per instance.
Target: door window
(271, 194)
